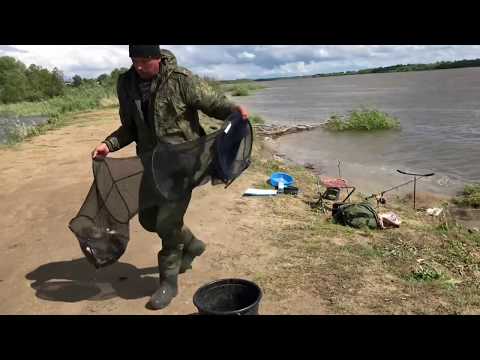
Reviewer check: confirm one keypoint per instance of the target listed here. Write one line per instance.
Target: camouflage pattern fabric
(177, 96)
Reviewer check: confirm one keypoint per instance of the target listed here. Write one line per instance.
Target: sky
(227, 62)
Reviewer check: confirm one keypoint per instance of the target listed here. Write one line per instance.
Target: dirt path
(44, 181)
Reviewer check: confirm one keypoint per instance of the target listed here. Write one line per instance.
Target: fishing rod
(381, 199)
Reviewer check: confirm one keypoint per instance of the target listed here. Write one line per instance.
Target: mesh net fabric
(220, 157)
(233, 148)
(178, 168)
(102, 223)
(123, 185)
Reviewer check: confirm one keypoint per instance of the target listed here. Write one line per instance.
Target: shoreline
(273, 144)
(443, 186)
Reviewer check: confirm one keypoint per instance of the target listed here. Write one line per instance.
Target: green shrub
(256, 120)
(470, 196)
(363, 119)
(240, 90)
(243, 88)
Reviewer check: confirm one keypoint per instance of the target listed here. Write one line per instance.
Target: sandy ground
(43, 183)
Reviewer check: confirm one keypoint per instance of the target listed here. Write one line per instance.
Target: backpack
(356, 215)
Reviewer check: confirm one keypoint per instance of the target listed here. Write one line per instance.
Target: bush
(240, 91)
(363, 119)
(470, 196)
(256, 120)
(243, 88)
(426, 273)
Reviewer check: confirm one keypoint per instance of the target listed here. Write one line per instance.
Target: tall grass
(364, 119)
(75, 99)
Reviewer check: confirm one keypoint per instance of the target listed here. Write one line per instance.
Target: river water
(9, 125)
(439, 112)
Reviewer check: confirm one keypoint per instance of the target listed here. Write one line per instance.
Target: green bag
(356, 215)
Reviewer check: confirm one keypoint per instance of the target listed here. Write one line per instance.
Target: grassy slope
(428, 265)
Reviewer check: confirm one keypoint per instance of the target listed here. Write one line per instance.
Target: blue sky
(240, 61)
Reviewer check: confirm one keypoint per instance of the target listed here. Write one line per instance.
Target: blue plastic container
(281, 177)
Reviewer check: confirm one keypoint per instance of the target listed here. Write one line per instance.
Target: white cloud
(239, 61)
(84, 60)
(246, 56)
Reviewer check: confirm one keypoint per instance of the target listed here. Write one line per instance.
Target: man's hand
(243, 111)
(100, 151)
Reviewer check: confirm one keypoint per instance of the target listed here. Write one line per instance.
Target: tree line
(410, 67)
(33, 83)
(389, 69)
(106, 80)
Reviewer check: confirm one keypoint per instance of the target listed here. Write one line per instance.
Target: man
(159, 101)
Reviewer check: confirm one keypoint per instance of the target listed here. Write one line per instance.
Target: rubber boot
(168, 266)
(193, 247)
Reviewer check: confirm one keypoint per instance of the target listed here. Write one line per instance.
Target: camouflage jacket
(177, 95)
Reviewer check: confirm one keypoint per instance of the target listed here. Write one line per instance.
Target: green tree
(44, 84)
(115, 74)
(102, 79)
(57, 82)
(77, 81)
(13, 81)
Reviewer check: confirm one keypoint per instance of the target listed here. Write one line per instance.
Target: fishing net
(122, 186)
(102, 224)
(233, 149)
(220, 157)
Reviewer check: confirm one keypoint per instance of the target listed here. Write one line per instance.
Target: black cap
(144, 51)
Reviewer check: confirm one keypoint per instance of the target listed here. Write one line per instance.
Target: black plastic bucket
(228, 297)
